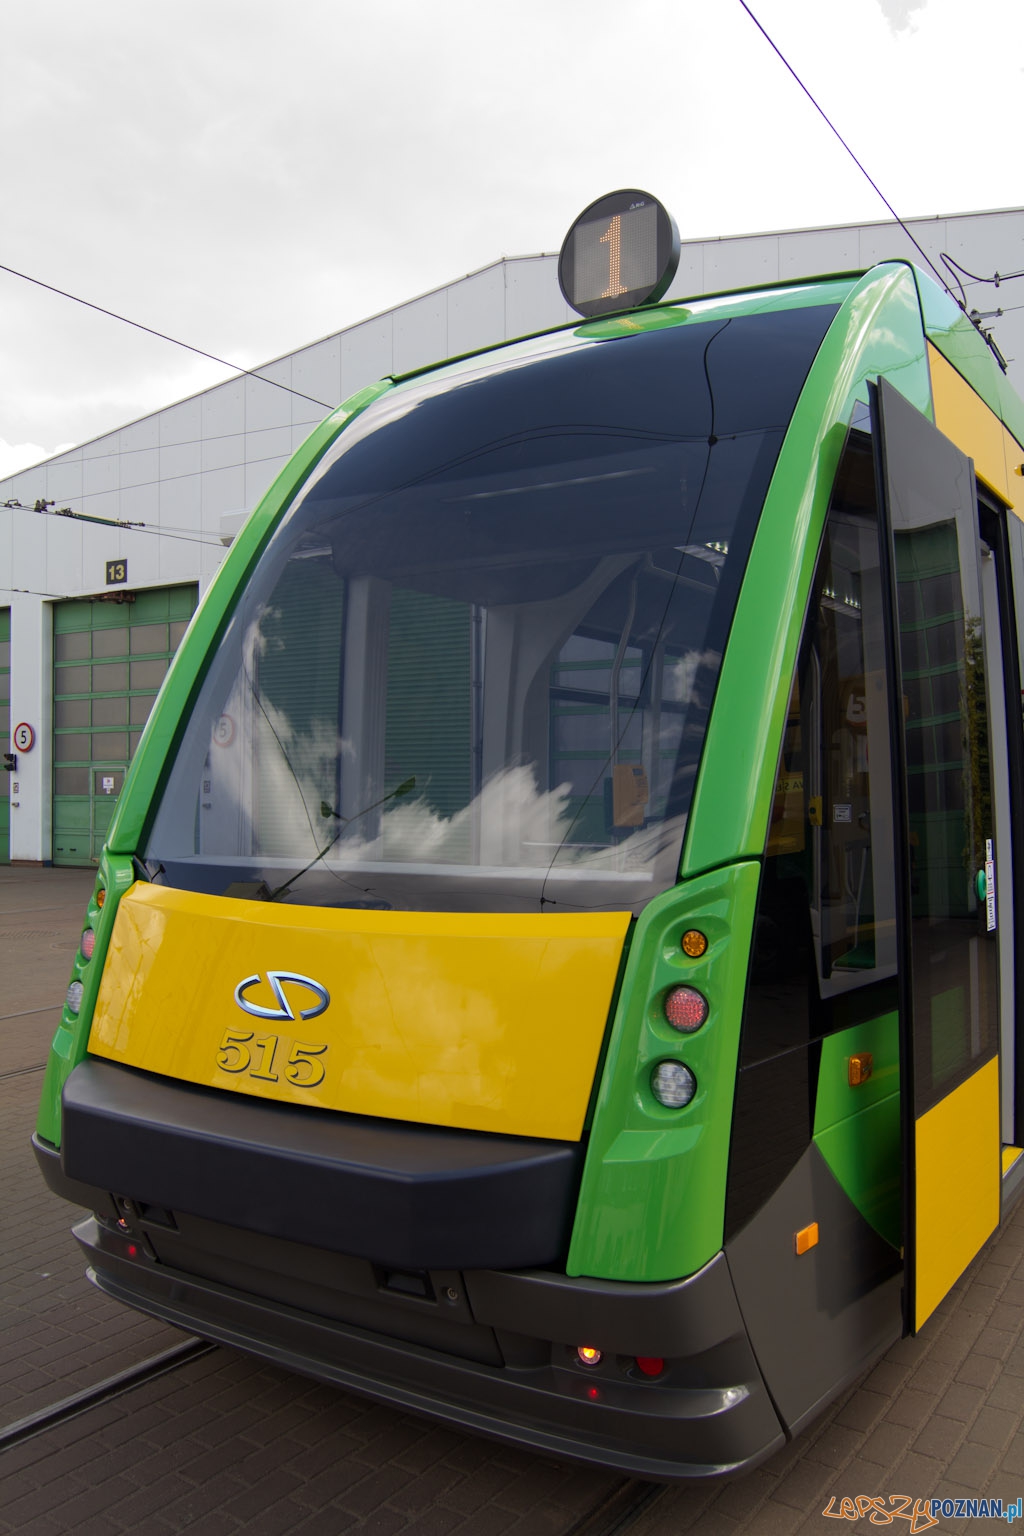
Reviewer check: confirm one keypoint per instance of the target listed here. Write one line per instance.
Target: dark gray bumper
(486, 1351)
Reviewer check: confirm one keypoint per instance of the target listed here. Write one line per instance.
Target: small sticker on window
(842, 813)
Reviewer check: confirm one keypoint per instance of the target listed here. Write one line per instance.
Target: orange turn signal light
(586, 1354)
(693, 943)
(860, 1068)
(806, 1238)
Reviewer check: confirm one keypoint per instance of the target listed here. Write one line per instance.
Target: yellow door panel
(957, 1157)
(480, 1020)
(966, 420)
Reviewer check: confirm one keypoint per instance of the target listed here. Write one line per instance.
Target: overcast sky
(250, 176)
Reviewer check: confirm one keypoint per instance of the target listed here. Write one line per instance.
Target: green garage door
(109, 659)
(5, 733)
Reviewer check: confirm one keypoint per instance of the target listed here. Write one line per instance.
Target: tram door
(956, 858)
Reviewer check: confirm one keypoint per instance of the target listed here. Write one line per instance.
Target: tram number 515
(257, 1055)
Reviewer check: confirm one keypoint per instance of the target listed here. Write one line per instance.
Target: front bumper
(488, 1351)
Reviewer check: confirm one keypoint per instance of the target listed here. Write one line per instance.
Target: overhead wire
(50, 509)
(163, 336)
(863, 170)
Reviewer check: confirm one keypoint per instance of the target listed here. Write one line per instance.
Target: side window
(824, 952)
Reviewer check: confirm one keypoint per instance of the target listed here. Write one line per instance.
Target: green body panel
(962, 344)
(857, 1130)
(116, 874)
(725, 306)
(636, 1177)
(653, 1197)
(877, 331)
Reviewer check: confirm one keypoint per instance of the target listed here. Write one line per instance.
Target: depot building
(91, 614)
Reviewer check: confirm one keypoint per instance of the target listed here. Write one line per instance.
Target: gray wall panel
(181, 459)
(367, 353)
(99, 475)
(476, 311)
(64, 481)
(265, 404)
(421, 333)
(223, 491)
(102, 447)
(139, 466)
(64, 554)
(316, 371)
(259, 476)
(140, 503)
(740, 263)
(223, 411)
(689, 278)
(181, 423)
(533, 299)
(274, 443)
(822, 250)
(140, 435)
(219, 452)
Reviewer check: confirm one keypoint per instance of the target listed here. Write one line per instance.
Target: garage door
(109, 659)
(5, 733)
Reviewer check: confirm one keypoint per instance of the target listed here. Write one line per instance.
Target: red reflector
(133, 1252)
(685, 1008)
(651, 1365)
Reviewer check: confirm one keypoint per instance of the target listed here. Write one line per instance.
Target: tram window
(484, 642)
(825, 927)
(824, 950)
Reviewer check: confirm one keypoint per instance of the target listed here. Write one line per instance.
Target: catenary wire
(162, 336)
(870, 179)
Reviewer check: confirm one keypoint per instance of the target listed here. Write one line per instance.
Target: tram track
(619, 1510)
(22, 1071)
(614, 1514)
(103, 1392)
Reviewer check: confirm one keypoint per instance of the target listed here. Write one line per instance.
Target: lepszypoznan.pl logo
(921, 1513)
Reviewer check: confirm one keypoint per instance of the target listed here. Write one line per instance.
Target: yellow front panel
(485, 1021)
(966, 420)
(957, 1179)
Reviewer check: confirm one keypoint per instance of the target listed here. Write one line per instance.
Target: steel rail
(103, 1392)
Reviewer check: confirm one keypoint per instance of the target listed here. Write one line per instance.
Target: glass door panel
(951, 937)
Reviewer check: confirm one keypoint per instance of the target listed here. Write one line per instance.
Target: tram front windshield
(474, 665)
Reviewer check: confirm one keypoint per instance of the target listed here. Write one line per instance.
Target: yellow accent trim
(486, 1021)
(1010, 1156)
(957, 1179)
(968, 422)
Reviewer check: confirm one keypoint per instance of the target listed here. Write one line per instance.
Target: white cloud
(252, 178)
(18, 456)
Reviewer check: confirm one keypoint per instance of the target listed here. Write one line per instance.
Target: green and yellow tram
(553, 965)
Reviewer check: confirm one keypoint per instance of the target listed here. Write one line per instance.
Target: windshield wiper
(327, 811)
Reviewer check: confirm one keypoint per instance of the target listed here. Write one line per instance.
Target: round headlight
(74, 997)
(673, 1084)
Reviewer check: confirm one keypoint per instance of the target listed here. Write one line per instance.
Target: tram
(553, 966)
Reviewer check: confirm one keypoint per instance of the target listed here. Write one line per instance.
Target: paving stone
(229, 1444)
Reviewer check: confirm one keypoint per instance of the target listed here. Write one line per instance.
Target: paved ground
(226, 1445)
